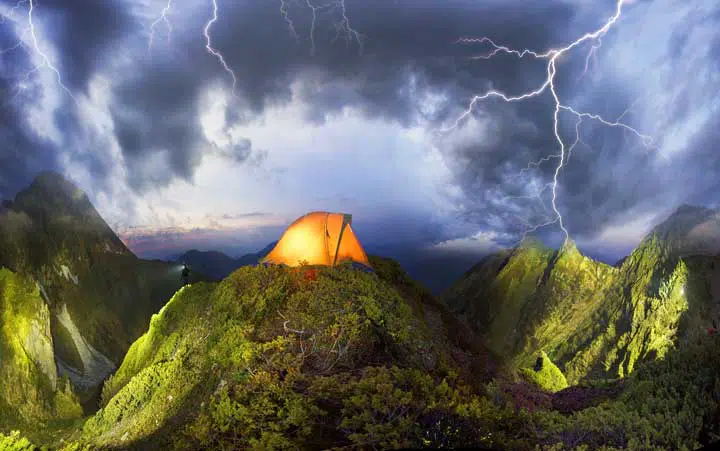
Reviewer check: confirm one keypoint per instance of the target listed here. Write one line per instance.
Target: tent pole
(347, 219)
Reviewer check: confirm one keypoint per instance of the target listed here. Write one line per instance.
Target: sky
(213, 124)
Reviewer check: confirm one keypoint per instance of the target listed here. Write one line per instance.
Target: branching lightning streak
(591, 55)
(534, 228)
(163, 18)
(11, 12)
(578, 140)
(28, 40)
(285, 13)
(314, 10)
(503, 49)
(17, 45)
(341, 26)
(344, 25)
(538, 194)
(215, 52)
(46, 60)
(552, 57)
(536, 164)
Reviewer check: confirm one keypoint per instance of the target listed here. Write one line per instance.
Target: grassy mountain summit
(279, 358)
(595, 320)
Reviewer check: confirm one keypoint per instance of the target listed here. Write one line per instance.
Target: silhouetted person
(185, 275)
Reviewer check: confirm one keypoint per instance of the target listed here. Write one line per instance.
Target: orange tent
(318, 238)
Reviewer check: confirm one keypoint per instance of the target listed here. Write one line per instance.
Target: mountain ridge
(593, 319)
(85, 275)
(219, 265)
(294, 358)
(690, 230)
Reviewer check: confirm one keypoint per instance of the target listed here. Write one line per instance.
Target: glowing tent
(318, 238)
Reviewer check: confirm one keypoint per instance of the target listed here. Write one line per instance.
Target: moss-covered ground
(593, 320)
(30, 391)
(318, 358)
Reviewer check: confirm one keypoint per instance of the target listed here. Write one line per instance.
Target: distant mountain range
(217, 265)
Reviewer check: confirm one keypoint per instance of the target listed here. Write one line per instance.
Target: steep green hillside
(532, 298)
(98, 296)
(668, 404)
(592, 320)
(31, 392)
(273, 358)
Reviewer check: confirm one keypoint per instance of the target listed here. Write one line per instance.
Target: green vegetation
(595, 320)
(30, 390)
(273, 358)
(667, 404)
(277, 358)
(15, 442)
(94, 295)
(321, 358)
(547, 376)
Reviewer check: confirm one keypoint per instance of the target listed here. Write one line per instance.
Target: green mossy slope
(308, 358)
(592, 319)
(15, 442)
(546, 375)
(275, 358)
(673, 403)
(31, 393)
(100, 296)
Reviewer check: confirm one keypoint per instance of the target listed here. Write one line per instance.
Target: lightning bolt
(33, 46)
(42, 55)
(215, 52)
(162, 18)
(11, 12)
(537, 195)
(314, 10)
(285, 13)
(342, 25)
(592, 54)
(552, 56)
(17, 45)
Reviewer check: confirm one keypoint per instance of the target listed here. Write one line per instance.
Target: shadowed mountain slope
(98, 296)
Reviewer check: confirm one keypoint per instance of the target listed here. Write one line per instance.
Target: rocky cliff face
(30, 389)
(590, 318)
(98, 297)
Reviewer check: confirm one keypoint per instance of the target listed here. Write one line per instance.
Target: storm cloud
(147, 117)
